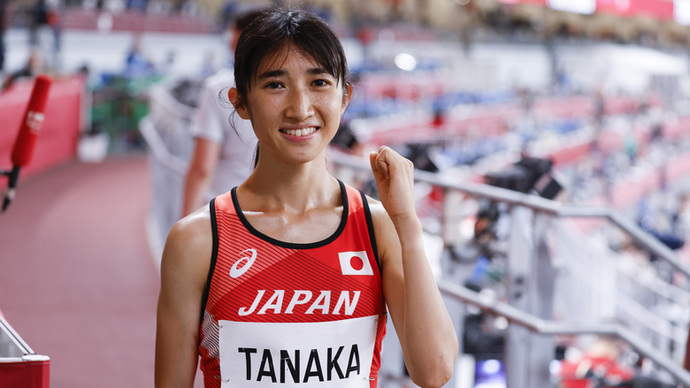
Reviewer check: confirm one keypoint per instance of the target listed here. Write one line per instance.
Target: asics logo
(243, 264)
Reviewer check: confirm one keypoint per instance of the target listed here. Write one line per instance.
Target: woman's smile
(304, 132)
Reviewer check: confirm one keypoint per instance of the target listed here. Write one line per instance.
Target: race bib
(333, 354)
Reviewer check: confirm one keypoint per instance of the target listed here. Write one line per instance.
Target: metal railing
(13, 348)
(540, 326)
(517, 311)
(11, 344)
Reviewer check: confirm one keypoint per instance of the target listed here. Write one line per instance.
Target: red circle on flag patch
(356, 263)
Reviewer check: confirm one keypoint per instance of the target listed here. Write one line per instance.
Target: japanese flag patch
(355, 263)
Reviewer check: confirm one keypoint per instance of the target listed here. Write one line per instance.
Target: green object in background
(118, 106)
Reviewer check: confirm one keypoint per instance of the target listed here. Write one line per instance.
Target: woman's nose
(299, 104)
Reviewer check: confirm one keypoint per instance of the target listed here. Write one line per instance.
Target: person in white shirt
(224, 143)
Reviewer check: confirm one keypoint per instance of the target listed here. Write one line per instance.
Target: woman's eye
(320, 82)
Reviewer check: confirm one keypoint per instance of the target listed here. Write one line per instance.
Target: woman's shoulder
(191, 234)
(186, 260)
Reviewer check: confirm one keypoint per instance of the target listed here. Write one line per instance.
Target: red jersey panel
(298, 315)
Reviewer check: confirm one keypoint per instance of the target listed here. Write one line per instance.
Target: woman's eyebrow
(317, 71)
(271, 74)
(281, 72)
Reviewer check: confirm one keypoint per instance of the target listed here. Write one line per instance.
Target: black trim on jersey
(289, 245)
(214, 257)
(370, 226)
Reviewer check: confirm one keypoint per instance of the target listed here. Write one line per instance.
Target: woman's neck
(296, 188)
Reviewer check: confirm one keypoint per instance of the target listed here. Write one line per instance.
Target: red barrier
(19, 365)
(59, 132)
(25, 374)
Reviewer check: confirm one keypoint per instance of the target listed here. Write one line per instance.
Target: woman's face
(295, 107)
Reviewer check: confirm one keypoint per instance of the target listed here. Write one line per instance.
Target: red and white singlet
(293, 315)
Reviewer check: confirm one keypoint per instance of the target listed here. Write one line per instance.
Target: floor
(77, 279)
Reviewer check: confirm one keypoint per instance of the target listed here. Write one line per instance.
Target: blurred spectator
(140, 5)
(604, 364)
(563, 83)
(631, 146)
(224, 143)
(136, 63)
(227, 13)
(46, 13)
(38, 19)
(54, 21)
(599, 366)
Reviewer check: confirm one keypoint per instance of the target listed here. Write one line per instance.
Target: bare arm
(184, 268)
(426, 333)
(202, 166)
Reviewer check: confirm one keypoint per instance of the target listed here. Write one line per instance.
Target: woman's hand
(394, 175)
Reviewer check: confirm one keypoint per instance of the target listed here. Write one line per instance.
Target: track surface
(77, 280)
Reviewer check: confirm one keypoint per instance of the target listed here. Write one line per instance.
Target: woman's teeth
(299, 132)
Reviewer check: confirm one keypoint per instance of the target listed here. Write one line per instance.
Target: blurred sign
(585, 7)
(656, 9)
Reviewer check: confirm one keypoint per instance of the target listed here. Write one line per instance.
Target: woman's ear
(236, 101)
(347, 95)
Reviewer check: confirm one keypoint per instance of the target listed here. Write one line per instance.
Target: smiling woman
(294, 103)
(289, 277)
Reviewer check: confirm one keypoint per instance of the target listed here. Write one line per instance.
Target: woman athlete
(288, 278)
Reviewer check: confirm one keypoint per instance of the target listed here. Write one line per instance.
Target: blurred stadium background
(551, 137)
